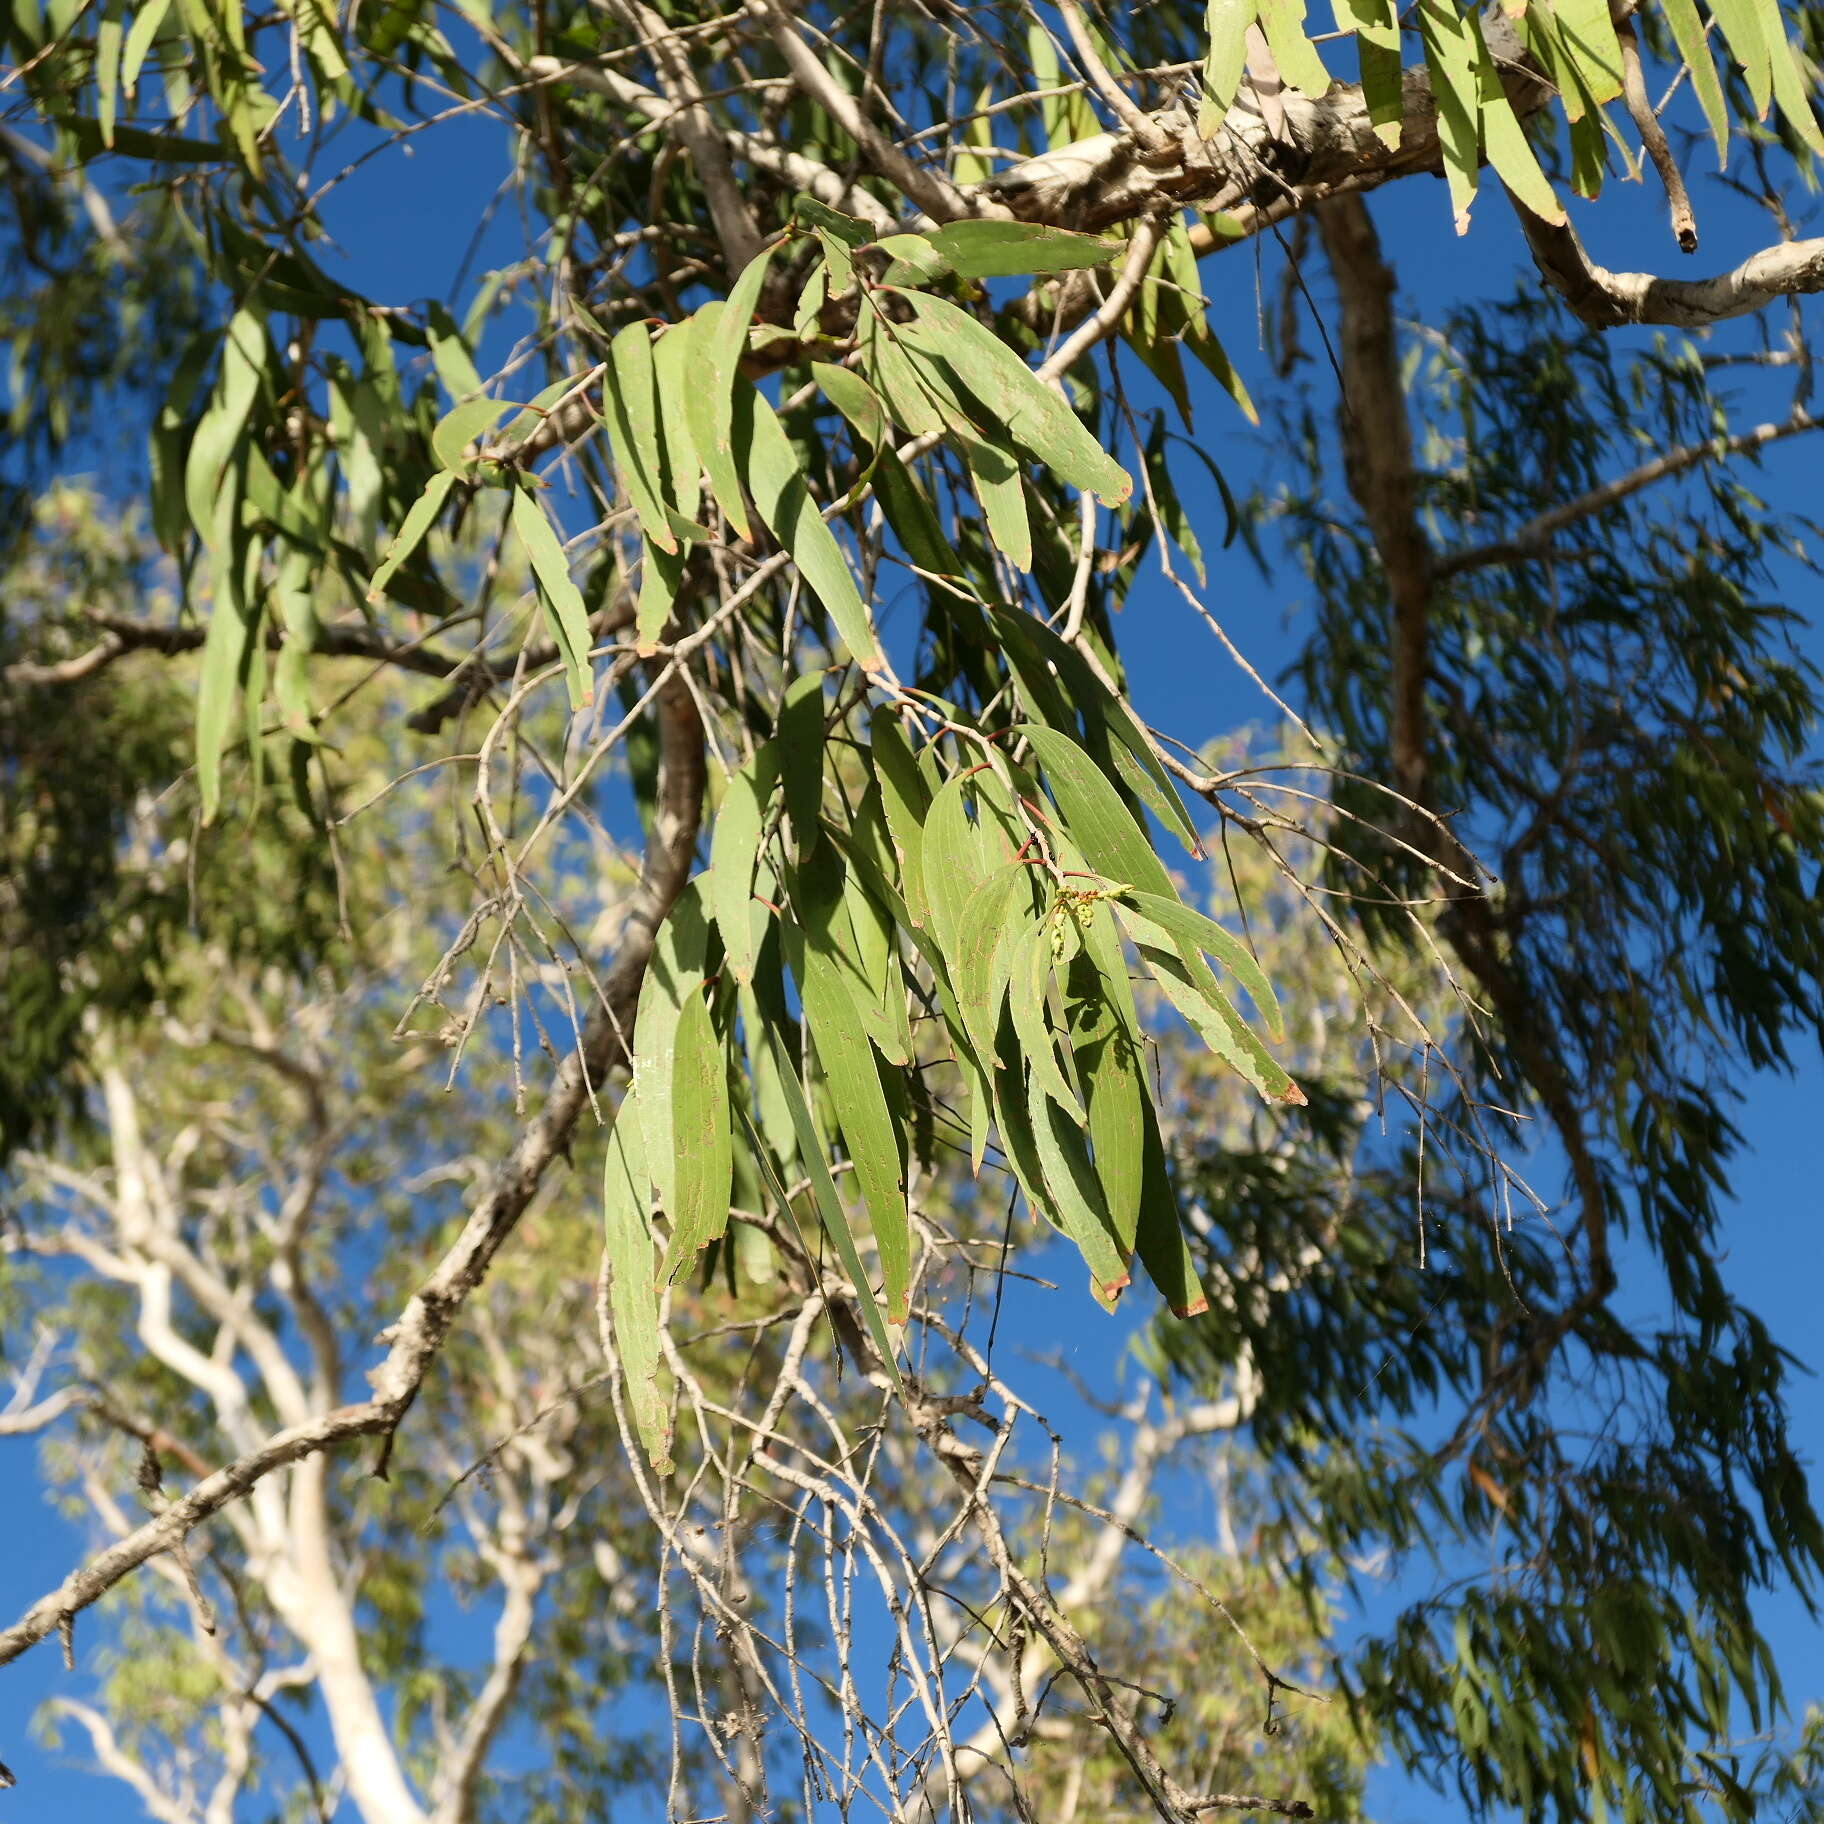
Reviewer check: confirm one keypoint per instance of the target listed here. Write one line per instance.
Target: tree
(722, 700)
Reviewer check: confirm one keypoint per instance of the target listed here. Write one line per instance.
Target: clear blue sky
(399, 220)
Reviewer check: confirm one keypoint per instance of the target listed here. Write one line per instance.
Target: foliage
(657, 723)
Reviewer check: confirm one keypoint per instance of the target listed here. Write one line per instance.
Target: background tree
(724, 692)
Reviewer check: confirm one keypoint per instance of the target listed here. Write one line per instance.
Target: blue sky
(402, 219)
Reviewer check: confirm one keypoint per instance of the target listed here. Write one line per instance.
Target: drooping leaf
(1187, 926)
(995, 471)
(961, 352)
(1160, 1239)
(1505, 141)
(630, 398)
(417, 522)
(1226, 22)
(701, 1131)
(1108, 1055)
(1300, 66)
(764, 454)
(633, 1299)
(734, 845)
(1099, 823)
(852, 1079)
(1219, 1026)
(1694, 47)
(1450, 55)
(565, 616)
(835, 1220)
(1028, 991)
(460, 426)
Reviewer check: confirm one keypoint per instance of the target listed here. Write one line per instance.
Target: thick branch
(1605, 299)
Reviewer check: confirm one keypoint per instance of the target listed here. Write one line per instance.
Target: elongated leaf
(1107, 720)
(1160, 1239)
(701, 1132)
(995, 471)
(868, 1130)
(680, 961)
(765, 455)
(710, 442)
(140, 36)
(1010, 396)
(417, 522)
(1227, 23)
(904, 388)
(458, 428)
(733, 846)
(726, 342)
(1694, 48)
(1283, 21)
(630, 398)
(835, 1219)
(1108, 1055)
(988, 250)
(661, 577)
(955, 863)
(633, 1300)
(914, 260)
(1450, 55)
(225, 649)
(877, 984)
(1099, 823)
(992, 919)
(1506, 144)
(1377, 43)
(1185, 925)
(1220, 1026)
(1078, 1205)
(905, 801)
(913, 518)
(1029, 979)
(1588, 35)
(799, 740)
(1749, 44)
(676, 380)
(217, 437)
(855, 399)
(1792, 85)
(565, 615)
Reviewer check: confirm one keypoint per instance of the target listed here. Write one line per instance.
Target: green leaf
(1588, 36)
(708, 437)
(1077, 1203)
(565, 616)
(957, 857)
(1377, 43)
(1792, 84)
(457, 429)
(216, 440)
(1283, 21)
(723, 343)
(633, 1300)
(1108, 1055)
(734, 845)
(960, 351)
(1160, 1239)
(891, 372)
(835, 1219)
(799, 739)
(989, 250)
(140, 37)
(1227, 23)
(416, 524)
(993, 918)
(702, 1134)
(661, 577)
(852, 1079)
(1110, 724)
(995, 472)
(674, 975)
(1694, 48)
(1219, 1026)
(913, 518)
(1451, 43)
(855, 399)
(914, 260)
(1740, 21)
(108, 35)
(1184, 925)
(630, 399)
(1028, 984)
(676, 378)
(1505, 141)
(846, 230)
(784, 502)
(905, 800)
(1098, 822)
(450, 354)
(225, 650)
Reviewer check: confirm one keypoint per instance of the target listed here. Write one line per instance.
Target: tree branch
(1605, 300)
(416, 1336)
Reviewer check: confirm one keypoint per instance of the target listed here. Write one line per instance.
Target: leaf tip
(1194, 1309)
(1293, 1096)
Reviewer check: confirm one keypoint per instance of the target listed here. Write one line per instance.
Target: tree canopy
(592, 914)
